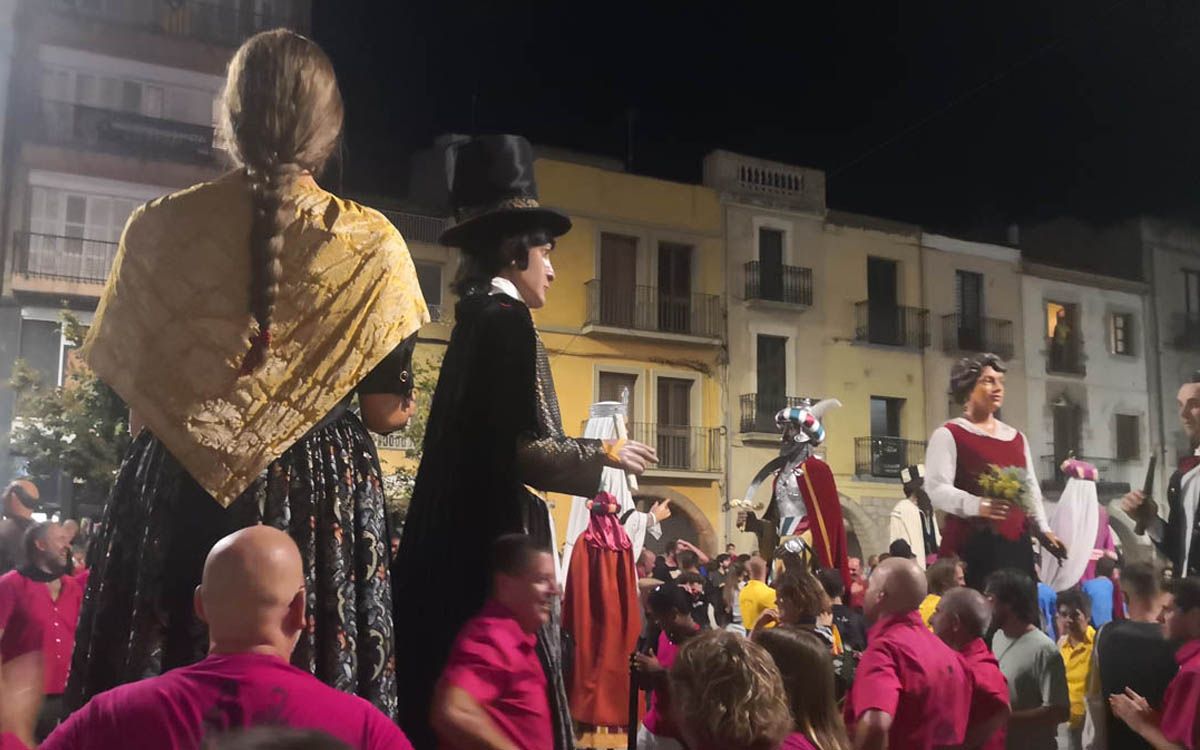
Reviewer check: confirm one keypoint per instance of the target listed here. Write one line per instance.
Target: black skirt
(325, 491)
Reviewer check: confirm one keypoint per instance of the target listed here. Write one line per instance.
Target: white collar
(1003, 431)
(501, 285)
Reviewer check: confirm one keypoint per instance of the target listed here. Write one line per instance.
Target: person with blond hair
(727, 694)
(241, 319)
(808, 678)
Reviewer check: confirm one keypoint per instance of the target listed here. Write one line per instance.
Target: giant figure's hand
(993, 510)
(661, 510)
(630, 456)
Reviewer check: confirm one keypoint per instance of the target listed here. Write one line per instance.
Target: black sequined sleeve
(393, 375)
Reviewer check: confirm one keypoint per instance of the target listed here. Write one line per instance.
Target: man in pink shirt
(252, 598)
(910, 691)
(960, 620)
(1177, 725)
(39, 609)
(492, 693)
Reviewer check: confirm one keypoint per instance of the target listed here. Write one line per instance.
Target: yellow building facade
(636, 305)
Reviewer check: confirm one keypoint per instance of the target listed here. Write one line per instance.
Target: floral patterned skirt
(325, 491)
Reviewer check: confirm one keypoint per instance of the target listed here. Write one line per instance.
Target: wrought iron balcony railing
(965, 334)
(681, 447)
(758, 410)
(884, 457)
(75, 259)
(790, 284)
(1050, 475)
(129, 133)
(646, 308)
(202, 20)
(891, 325)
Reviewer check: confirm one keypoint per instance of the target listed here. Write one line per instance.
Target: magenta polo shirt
(495, 661)
(989, 690)
(179, 709)
(31, 619)
(1181, 702)
(909, 674)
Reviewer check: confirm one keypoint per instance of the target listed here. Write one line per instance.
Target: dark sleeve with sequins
(551, 461)
(393, 375)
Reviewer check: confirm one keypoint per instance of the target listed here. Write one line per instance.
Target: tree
(80, 428)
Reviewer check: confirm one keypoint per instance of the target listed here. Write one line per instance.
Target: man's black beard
(36, 573)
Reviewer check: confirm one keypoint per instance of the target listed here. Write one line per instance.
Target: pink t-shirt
(797, 741)
(31, 619)
(909, 674)
(989, 690)
(495, 661)
(1181, 702)
(179, 709)
(10, 742)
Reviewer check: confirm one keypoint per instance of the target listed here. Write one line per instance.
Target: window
(968, 306)
(1121, 334)
(885, 416)
(65, 86)
(1128, 437)
(772, 381)
(674, 287)
(1191, 293)
(770, 264)
(429, 277)
(74, 234)
(617, 386)
(1062, 331)
(674, 419)
(618, 279)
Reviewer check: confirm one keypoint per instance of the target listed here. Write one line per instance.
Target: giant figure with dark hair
(986, 533)
(494, 428)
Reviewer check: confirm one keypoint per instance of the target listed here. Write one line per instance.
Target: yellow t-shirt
(1077, 657)
(927, 607)
(755, 598)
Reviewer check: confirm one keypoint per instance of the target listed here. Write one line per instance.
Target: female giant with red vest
(986, 533)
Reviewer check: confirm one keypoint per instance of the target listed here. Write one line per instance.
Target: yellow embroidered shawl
(174, 324)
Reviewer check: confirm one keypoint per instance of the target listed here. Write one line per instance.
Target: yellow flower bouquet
(1008, 484)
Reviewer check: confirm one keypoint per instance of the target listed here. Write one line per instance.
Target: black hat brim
(505, 221)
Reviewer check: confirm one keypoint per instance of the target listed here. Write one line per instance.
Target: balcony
(1065, 357)
(884, 457)
(1186, 330)
(891, 325)
(113, 131)
(760, 416)
(417, 227)
(210, 22)
(645, 308)
(397, 441)
(681, 448)
(993, 335)
(765, 182)
(791, 285)
(70, 259)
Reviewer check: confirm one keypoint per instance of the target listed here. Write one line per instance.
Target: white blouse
(941, 462)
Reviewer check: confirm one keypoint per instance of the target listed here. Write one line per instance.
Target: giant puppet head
(801, 425)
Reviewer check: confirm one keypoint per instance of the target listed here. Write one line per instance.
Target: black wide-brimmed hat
(493, 192)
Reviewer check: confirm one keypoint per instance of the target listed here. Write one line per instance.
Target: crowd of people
(245, 589)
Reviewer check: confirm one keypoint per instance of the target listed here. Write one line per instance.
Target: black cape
(493, 428)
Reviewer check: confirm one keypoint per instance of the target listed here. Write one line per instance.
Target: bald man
(756, 596)
(911, 691)
(252, 598)
(21, 498)
(960, 620)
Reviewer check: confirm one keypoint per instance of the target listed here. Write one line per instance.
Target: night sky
(960, 116)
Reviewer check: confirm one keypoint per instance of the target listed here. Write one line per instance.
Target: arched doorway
(861, 534)
(687, 521)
